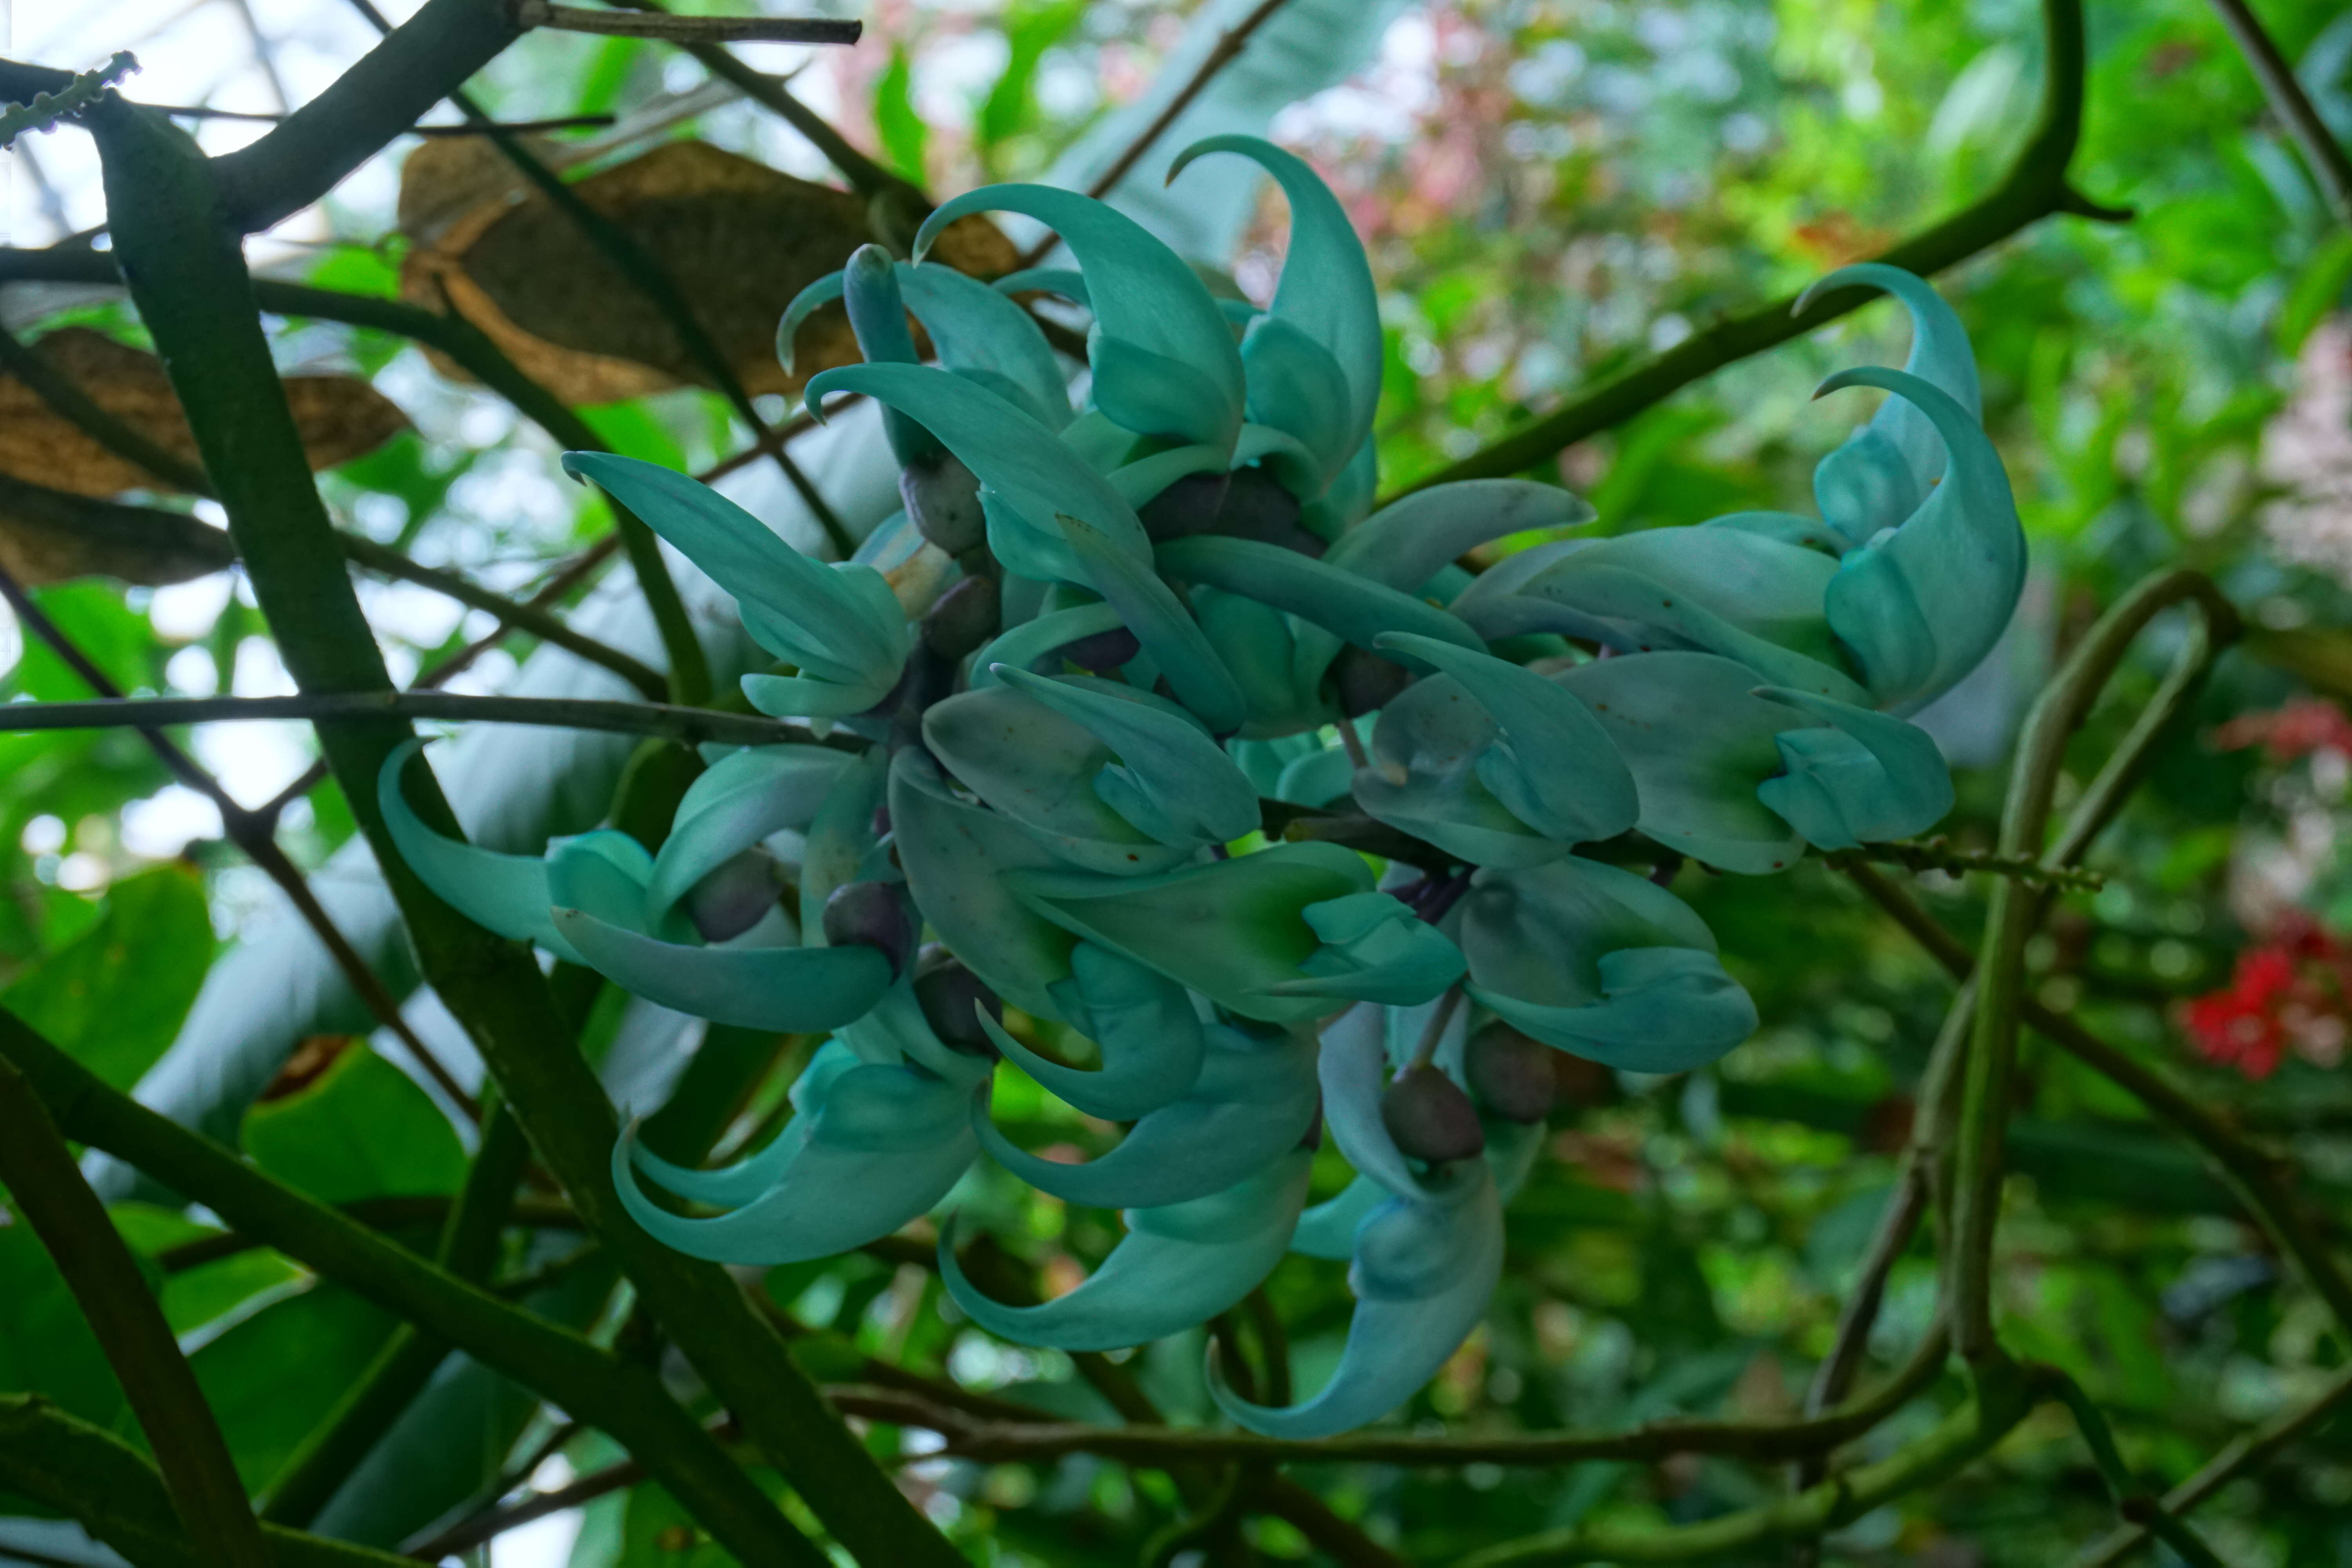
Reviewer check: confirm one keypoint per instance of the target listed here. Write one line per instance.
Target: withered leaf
(739, 239)
(48, 536)
(340, 416)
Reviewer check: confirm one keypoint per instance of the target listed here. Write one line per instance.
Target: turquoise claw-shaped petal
(739, 800)
(1178, 1266)
(1173, 780)
(505, 894)
(824, 291)
(1884, 471)
(1251, 1103)
(1155, 322)
(1328, 1229)
(606, 874)
(1865, 779)
(1408, 541)
(884, 1145)
(840, 837)
(957, 856)
(1350, 606)
(1603, 964)
(1152, 1043)
(1699, 740)
(1023, 646)
(1230, 930)
(1375, 950)
(1551, 765)
(790, 990)
(877, 318)
(1067, 281)
(732, 1186)
(1297, 387)
(1325, 293)
(1173, 639)
(839, 623)
(1352, 1068)
(982, 336)
(1423, 1273)
(1920, 605)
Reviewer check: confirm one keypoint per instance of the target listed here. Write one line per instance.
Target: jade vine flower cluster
(1096, 642)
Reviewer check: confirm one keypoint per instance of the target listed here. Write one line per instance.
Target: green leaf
(208, 1292)
(45, 1346)
(362, 1129)
(115, 997)
(274, 1376)
(2315, 293)
(1011, 107)
(904, 134)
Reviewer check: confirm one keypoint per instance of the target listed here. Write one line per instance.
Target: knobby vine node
(1093, 640)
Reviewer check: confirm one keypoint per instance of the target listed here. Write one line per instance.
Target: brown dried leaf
(739, 240)
(340, 416)
(47, 536)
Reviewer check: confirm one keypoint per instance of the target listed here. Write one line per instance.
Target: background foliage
(1551, 190)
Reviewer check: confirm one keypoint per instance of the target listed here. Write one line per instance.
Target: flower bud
(875, 914)
(1103, 651)
(1363, 682)
(1511, 1074)
(963, 617)
(1187, 507)
(1430, 1118)
(946, 993)
(734, 896)
(942, 497)
(1259, 505)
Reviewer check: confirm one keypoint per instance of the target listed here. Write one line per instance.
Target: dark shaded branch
(492, 1523)
(2035, 187)
(689, 724)
(1227, 49)
(373, 1214)
(46, 1189)
(2131, 1501)
(2330, 166)
(515, 127)
(691, 29)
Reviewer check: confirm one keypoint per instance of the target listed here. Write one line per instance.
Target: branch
(372, 1213)
(1937, 855)
(389, 91)
(516, 127)
(48, 110)
(488, 1525)
(1228, 48)
(2136, 1506)
(2240, 1456)
(2034, 188)
(109, 1489)
(691, 29)
(45, 1188)
(2000, 970)
(688, 724)
(2325, 155)
(622, 1399)
(188, 279)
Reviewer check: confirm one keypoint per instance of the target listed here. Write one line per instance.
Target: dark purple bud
(875, 914)
(1430, 1118)
(882, 820)
(948, 992)
(963, 617)
(1187, 507)
(730, 899)
(1511, 1074)
(1364, 682)
(942, 497)
(1104, 651)
(1312, 1139)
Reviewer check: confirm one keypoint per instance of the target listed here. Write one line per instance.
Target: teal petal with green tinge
(1408, 541)
(1426, 778)
(739, 800)
(1865, 779)
(1423, 1274)
(605, 873)
(1178, 1266)
(841, 835)
(1350, 606)
(983, 336)
(504, 894)
(1375, 950)
(1152, 1043)
(884, 1145)
(1151, 611)
(732, 1186)
(1067, 281)
(1921, 605)
(1023, 646)
(1230, 930)
(1172, 782)
(1887, 468)
(1251, 1103)
(1328, 1229)
(1143, 296)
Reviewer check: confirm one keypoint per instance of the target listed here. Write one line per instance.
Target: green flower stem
(106, 1486)
(46, 1189)
(337, 708)
(188, 279)
(2004, 1396)
(2135, 1505)
(2015, 908)
(2035, 187)
(2238, 1456)
(622, 1399)
(469, 1240)
(1039, 1438)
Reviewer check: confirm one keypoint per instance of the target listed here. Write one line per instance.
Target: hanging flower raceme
(1112, 632)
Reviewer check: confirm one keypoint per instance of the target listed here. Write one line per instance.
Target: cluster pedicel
(1097, 638)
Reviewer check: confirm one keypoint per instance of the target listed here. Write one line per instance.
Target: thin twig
(2329, 164)
(2131, 1501)
(251, 833)
(1936, 855)
(689, 724)
(691, 29)
(468, 1534)
(511, 127)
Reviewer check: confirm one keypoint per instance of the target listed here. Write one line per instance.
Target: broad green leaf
(363, 1129)
(115, 997)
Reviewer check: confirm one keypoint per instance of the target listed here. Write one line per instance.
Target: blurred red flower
(2295, 731)
(2292, 990)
